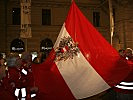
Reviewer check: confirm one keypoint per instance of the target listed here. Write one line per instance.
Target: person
(121, 92)
(122, 52)
(40, 58)
(7, 86)
(129, 57)
(12, 75)
(2, 68)
(129, 54)
(37, 60)
(27, 78)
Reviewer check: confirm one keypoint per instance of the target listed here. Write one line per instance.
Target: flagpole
(111, 21)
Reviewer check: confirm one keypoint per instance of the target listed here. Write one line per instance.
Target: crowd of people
(127, 54)
(16, 79)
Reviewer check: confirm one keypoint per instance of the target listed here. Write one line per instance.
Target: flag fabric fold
(126, 85)
(81, 64)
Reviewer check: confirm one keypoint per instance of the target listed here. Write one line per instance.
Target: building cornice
(56, 4)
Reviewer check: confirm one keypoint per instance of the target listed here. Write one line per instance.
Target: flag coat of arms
(81, 64)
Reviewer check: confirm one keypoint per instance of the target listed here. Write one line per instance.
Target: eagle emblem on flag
(67, 49)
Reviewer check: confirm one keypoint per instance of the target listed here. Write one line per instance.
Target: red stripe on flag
(97, 51)
(101, 55)
(50, 82)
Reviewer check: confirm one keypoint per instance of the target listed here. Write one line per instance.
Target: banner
(25, 31)
(82, 63)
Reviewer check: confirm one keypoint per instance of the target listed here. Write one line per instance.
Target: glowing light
(126, 58)
(5, 63)
(20, 55)
(33, 95)
(46, 48)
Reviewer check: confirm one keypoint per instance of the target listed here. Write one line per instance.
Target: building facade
(47, 18)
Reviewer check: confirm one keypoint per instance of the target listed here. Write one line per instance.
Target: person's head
(122, 52)
(13, 60)
(39, 55)
(26, 56)
(129, 52)
(2, 61)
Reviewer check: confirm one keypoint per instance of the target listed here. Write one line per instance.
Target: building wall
(123, 37)
(59, 9)
(2, 26)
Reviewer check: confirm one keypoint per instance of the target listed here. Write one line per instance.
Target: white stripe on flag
(80, 76)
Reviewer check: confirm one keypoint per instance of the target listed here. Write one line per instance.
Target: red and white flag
(82, 63)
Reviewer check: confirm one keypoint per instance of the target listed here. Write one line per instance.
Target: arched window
(46, 45)
(17, 45)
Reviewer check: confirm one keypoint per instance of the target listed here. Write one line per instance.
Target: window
(46, 46)
(16, 16)
(17, 45)
(96, 19)
(46, 17)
